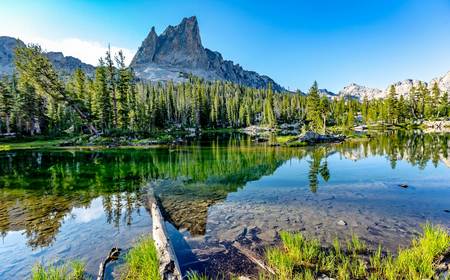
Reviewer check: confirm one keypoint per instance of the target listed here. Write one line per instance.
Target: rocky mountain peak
(443, 82)
(354, 90)
(181, 45)
(147, 50)
(179, 51)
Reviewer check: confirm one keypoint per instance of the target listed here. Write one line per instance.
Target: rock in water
(178, 51)
(341, 223)
(313, 137)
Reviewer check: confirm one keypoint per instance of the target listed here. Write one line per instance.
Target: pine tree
(313, 112)
(436, 93)
(324, 110)
(444, 106)
(122, 90)
(111, 82)
(6, 103)
(102, 99)
(268, 114)
(37, 70)
(392, 106)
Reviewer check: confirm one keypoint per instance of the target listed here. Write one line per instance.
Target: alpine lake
(60, 204)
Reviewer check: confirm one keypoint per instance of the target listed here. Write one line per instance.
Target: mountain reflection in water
(40, 188)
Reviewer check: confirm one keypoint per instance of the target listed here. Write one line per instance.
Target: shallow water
(57, 205)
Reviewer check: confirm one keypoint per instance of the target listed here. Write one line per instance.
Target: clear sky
(370, 42)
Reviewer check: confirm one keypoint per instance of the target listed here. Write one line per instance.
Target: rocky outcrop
(357, 91)
(7, 47)
(443, 82)
(178, 51)
(327, 93)
(311, 137)
(65, 65)
(402, 88)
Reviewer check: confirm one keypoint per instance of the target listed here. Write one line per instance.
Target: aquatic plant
(142, 261)
(299, 258)
(74, 270)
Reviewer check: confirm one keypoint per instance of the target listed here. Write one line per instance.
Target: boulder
(312, 137)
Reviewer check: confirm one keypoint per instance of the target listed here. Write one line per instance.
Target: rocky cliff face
(403, 88)
(65, 65)
(357, 91)
(7, 47)
(443, 82)
(179, 51)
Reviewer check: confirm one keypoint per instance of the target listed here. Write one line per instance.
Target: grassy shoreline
(298, 258)
(171, 137)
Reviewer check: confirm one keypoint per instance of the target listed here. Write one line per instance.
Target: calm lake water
(58, 205)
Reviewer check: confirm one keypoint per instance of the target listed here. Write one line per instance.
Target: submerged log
(112, 256)
(169, 268)
(253, 258)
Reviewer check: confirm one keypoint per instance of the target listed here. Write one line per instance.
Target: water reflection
(40, 188)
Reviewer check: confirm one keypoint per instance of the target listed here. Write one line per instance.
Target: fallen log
(252, 257)
(112, 256)
(169, 268)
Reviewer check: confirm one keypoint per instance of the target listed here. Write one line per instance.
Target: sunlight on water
(66, 204)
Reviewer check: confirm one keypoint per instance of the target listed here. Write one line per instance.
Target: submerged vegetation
(47, 184)
(299, 258)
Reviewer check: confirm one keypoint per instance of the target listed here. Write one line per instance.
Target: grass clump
(142, 261)
(417, 262)
(299, 258)
(297, 144)
(192, 275)
(74, 270)
(283, 139)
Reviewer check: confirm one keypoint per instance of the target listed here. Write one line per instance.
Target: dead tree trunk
(169, 268)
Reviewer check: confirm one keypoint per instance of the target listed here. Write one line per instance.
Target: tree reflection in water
(39, 188)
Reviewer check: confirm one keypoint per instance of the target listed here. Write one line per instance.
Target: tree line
(36, 100)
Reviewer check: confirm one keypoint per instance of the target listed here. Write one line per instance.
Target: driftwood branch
(253, 258)
(112, 256)
(169, 268)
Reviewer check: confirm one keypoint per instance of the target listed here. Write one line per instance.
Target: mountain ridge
(65, 65)
(402, 88)
(179, 50)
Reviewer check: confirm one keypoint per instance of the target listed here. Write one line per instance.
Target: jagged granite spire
(179, 50)
(147, 50)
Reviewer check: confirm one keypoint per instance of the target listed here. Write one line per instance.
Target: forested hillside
(36, 101)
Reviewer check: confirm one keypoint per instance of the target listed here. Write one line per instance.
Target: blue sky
(295, 42)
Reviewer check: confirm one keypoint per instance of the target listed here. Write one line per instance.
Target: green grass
(285, 138)
(299, 258)
(71, 271)
(297, 144)
(192, 275)
(5, 146)
(142, 261)
(195, 276)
